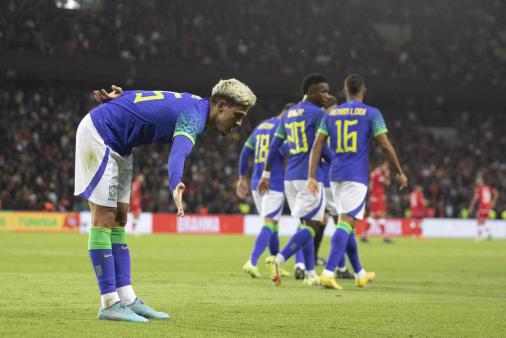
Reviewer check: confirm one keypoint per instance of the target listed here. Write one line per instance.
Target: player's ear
(222, 104)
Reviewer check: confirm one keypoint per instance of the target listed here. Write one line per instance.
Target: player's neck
(211, 118)
(359, 98)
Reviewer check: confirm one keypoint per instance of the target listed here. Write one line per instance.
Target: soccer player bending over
(350, 126)
(269, 205)
(103, 171)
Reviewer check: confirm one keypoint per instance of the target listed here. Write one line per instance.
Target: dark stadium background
(436, 69)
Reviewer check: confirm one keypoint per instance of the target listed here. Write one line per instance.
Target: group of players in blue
(124, 120)
(312, 134)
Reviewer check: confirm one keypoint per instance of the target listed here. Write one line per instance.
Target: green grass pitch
(424, 288)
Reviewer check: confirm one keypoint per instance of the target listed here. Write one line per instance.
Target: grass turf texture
(423, 288)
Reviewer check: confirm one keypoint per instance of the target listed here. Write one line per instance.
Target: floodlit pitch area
(423, 288)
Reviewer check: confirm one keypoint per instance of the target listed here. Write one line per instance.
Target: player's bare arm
(389, 152)
(495, 197)
(103, 96)
(473, 203)
(314, 159)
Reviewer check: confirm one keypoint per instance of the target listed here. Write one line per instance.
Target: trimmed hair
(234, 92)
(354, 83)
(312, 79)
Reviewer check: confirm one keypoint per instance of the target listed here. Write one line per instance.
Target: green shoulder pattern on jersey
(250, 142)
(322, 129)
(281, 132)
(188, 124)
(378, 125)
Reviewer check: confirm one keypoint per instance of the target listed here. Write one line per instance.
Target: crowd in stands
(37, 134)
(465, 40)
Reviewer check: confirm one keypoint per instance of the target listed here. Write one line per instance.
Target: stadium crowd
(37, 133)
(465, 39)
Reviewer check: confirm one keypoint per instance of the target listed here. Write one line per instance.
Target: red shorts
(482, 214)
(135, 209)
(377, 205)
(417, 214)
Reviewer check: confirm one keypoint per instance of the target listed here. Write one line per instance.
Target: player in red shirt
(486, 198)
(135, 201)
(417, 204)
(379, 179)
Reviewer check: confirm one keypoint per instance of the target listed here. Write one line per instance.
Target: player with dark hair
(330, 207)
(269, 205)
(103, 170)
(350, 126)
(298, 127)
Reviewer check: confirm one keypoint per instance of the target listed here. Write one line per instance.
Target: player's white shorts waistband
(330, 204)
(269, 205)
(102, 176)
(349, 198)
(302, 203)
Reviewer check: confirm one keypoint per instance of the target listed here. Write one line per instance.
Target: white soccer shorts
(330, 205)
(269, 205)
(302, 203)
(349, 198)
(102, 176)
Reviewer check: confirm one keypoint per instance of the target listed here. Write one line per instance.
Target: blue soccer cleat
(120, 312)
(144, 310)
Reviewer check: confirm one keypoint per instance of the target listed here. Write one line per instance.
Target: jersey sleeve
(323, 126)
(281, 132)
(251, 141)
(378, 124)
(189, 123)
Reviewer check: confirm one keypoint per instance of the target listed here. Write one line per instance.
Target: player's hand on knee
(178, 198)
(103, 96)
(312, 186)
(263, 185)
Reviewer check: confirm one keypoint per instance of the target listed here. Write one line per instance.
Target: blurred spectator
(37, 134)
(465, 39)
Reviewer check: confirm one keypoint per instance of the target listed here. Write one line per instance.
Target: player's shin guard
(352, 252)
(299, 255)
(318, 239)
(342, 264)
(121, 255)
(298, 241)
(338, 245)
(99, 248)
(263, 239)
(309, 257)
(274, 243)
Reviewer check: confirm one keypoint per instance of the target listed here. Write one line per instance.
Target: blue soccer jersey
(350, 127)
(298, 127)
(325, 166)
(145, 117)
(259, 141)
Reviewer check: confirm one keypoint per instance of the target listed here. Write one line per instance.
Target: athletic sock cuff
(271, 227)
(118, 235)
(99, 239)
(310, 229)
(345, 226)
